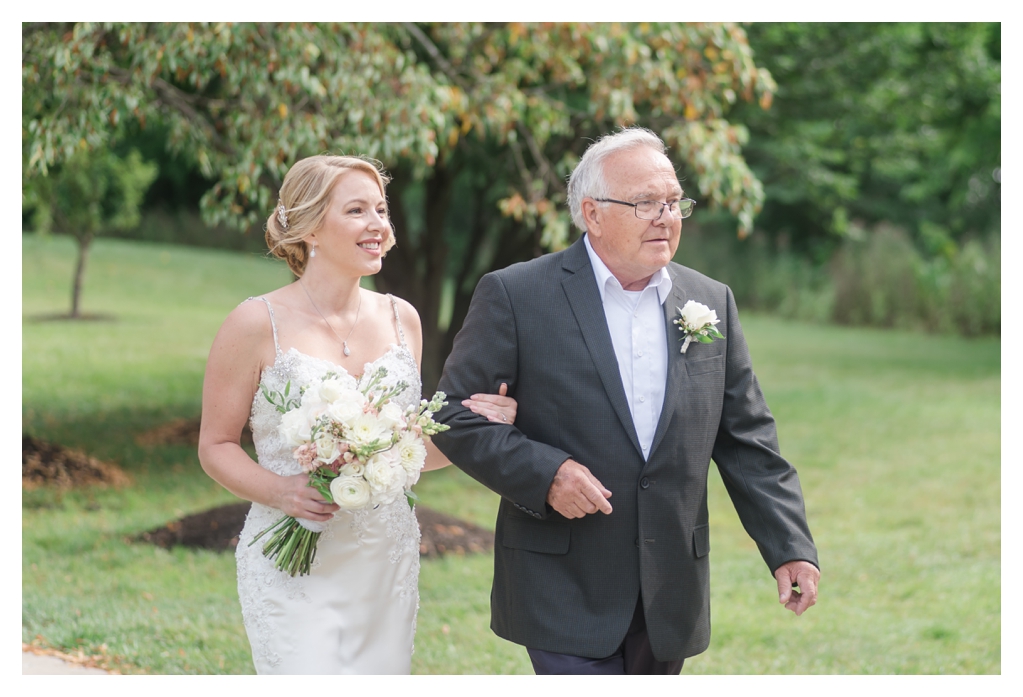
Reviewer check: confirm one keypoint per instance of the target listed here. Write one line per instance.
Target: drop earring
(312, 252)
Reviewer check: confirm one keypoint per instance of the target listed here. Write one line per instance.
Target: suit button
(644, 482)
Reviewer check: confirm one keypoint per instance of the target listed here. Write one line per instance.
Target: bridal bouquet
(360, 449)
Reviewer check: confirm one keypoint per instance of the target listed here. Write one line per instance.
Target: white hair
(587, 179)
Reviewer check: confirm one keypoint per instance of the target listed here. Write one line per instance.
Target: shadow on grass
(67, 317)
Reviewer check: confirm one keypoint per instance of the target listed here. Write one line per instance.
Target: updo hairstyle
(305, 195)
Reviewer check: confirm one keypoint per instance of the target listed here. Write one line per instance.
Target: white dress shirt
(636, 322)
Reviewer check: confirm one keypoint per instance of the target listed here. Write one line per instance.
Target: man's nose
(663, 217)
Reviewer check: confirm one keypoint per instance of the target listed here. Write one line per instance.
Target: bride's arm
(242, 346)
(498, 408)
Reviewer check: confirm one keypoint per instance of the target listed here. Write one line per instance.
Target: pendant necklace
(344, 342)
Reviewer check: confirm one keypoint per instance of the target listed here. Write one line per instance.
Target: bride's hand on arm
(496, 407)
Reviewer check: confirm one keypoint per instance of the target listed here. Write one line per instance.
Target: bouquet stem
(291, 547)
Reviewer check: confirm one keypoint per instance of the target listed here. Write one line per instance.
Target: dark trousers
(632, 657)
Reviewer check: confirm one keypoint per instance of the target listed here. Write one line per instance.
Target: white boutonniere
(696, 322)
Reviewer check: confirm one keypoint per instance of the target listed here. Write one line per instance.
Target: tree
(878, 122)
(92, 192)
(479, 123)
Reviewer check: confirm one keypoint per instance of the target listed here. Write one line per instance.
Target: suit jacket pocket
(701, 540)
(546, 537)
(705, 365)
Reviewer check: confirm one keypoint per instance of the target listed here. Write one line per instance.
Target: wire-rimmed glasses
(652, 210)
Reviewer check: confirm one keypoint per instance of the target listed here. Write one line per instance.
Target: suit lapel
(584, 298)
(677, 375)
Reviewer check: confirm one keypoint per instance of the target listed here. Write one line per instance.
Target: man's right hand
(575, 492)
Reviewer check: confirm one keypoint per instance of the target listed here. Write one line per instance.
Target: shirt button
(642, 399)
(639, 355)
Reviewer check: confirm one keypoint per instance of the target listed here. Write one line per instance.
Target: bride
(355, 612)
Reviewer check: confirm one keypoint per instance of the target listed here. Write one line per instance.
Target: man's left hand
(802, 574)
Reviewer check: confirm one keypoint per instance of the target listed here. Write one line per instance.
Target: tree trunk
(76, 287)
(415, 268)
(435, 251)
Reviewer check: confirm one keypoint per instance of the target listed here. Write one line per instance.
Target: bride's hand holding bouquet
(358, 450)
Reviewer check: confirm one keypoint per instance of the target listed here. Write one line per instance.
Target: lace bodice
(301, 370)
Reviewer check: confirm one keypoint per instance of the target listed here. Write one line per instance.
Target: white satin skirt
(355, 613)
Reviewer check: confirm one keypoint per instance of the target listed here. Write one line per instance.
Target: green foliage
(879, 122)
(886, 282)
(92, 192)
(883, 280)
(896, 437)
(246, 100)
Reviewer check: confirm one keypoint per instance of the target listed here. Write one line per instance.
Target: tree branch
(435, 54)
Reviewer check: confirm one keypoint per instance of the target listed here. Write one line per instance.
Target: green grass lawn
(896, 437)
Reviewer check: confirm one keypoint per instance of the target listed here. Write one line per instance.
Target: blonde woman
(355, 612)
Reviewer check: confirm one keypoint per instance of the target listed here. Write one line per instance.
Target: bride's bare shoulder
(407, 313)
(251, 321)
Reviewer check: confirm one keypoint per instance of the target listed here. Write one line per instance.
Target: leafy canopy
(245, 101)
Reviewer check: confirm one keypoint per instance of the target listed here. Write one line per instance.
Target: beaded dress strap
(273, 324)
(397, 320)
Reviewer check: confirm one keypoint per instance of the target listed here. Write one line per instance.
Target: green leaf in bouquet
(412, 497)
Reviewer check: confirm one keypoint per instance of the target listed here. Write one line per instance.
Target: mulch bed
(181, 432)
(218, 529)
(444, 534)
(49, 464)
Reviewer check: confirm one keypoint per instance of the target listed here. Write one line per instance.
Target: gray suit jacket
(570, 586)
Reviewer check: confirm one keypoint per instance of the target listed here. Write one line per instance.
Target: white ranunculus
(411, 452)
(366, 428)
(296, 426)
(385, 476)
(391, 415)
(350, 493)
(327, 449)
(696, 315)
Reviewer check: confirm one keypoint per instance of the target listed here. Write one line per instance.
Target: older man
(601, 562)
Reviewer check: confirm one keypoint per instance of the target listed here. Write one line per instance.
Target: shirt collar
(660, 280)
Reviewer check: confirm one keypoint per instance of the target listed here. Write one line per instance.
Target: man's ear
(591, 211)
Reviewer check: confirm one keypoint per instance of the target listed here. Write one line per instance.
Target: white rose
(311, 400)
(385, 476)
(411, 454)
(327, 449)
(696, 315)
(296, 427)
(366, 428)
(344, 410)
(391, 415)
(329, 390)
(350, 493)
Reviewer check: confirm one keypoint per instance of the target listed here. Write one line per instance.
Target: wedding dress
(355, 612)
